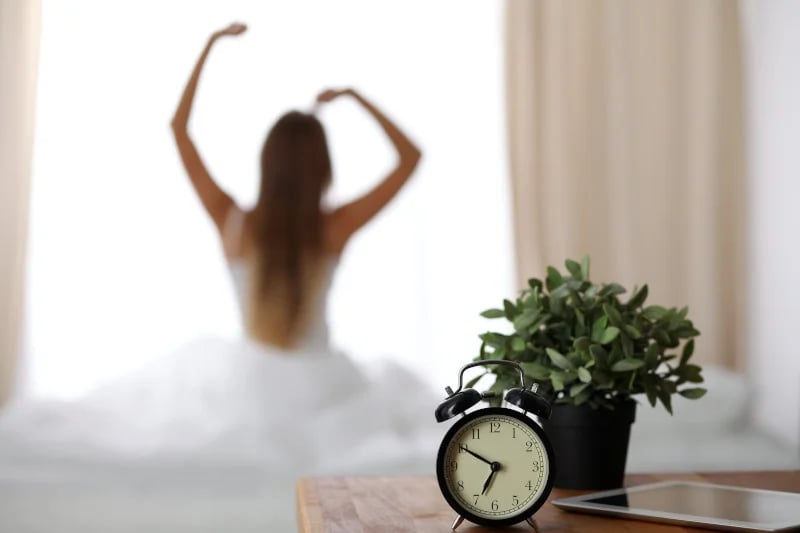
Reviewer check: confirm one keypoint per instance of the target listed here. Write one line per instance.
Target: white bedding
(214, 438)
(211, 438)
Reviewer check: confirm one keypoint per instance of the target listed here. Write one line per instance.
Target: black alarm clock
(495, 466)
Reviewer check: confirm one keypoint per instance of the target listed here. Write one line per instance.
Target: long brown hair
(288, 224)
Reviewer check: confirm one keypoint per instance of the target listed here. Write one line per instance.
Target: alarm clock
(495, 466)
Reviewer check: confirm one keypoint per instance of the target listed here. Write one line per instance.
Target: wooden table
(414, 504)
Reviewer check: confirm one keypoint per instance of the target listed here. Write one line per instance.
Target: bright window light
(125, 266)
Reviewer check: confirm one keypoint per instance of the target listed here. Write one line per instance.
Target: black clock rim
(461, 510)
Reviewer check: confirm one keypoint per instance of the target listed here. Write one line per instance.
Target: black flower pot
(591, 445)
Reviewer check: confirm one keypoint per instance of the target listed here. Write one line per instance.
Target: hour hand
(495, 467)
(488, 481)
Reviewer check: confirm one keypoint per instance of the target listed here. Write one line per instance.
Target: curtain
(626, 141)
(19, 29)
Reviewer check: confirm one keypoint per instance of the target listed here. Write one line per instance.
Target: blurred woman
(283, 251)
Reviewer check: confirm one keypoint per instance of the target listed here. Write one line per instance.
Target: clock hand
(476, 455)
(495, 467)
(486, 483)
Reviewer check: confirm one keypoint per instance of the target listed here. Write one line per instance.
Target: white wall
(772, 52)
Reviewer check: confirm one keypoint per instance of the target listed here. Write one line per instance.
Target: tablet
(695, 504)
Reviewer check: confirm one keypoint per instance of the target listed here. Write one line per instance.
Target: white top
(316, 338)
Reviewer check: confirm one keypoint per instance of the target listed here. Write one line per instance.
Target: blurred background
(661, 138)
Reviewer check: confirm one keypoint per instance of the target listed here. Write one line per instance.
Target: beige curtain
(626, 141)
(19, 45)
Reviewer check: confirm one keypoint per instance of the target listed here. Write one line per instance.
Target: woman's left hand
(331, 94)
(236, 28)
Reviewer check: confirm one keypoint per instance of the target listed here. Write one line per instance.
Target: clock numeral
(514, 500)
(462, 448)
(494, 427)
(460, 485)
(536, 467)
(476, 498)
(476, 433)
(495, 505)
(454, 465)
(529, 444)
(529, 485)
(513, 433)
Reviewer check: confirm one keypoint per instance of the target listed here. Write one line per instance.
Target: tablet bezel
(580, 504)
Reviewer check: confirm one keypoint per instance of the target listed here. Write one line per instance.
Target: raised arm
(214, 199)
(347, 219)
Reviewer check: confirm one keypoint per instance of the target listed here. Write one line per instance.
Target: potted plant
(590, 352)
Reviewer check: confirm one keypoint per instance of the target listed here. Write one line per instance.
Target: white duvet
(211, 438)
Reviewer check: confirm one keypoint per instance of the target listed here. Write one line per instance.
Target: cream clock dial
(494, 466)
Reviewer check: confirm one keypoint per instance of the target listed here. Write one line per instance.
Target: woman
(283, 250)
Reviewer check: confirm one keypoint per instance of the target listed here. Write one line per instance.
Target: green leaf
(609, 335)
(536, 370)
(523, 321)
(577, 389)
(613, 315)
(693, 394)
(535, 284)
(598, 328)
(691, 373)
(654, 312)
(517, 344)
(557, 379)
(627, 345)
(638, 299)
(533, 328)
(581, 344)
(494, 340)
(580, 318)
(509, 310)
(554, 279)
(612, 289)
(559, 360)
(585, 267)
(662, 337)
(688, 350)
(598, 353)
(493, 313)
(651, 356)
(625, 365)
(574, 269)
(584, 375)
(633, 332)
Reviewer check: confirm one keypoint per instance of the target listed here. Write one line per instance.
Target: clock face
(494, 466)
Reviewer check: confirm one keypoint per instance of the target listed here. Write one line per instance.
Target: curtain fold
(626, 143)
(19, 47)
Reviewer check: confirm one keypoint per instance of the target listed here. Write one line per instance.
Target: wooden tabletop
(415, 505)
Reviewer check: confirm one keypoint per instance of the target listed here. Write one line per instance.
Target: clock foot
(457, 522)
(532, 523)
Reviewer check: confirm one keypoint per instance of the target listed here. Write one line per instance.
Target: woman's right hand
(236, 28)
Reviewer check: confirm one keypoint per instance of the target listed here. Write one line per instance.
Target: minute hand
(477, 456)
